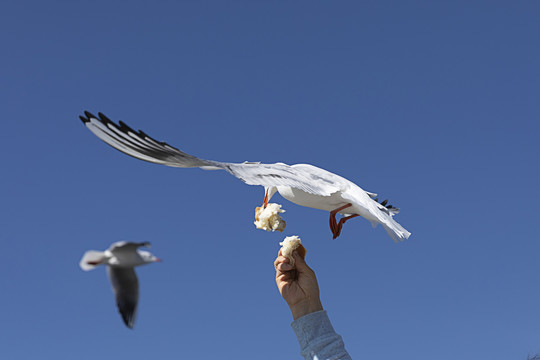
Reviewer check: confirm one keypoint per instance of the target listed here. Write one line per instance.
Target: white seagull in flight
(303, 184)
(120, 259)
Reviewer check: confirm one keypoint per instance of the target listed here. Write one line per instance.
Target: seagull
(302, 184)
(120, 259)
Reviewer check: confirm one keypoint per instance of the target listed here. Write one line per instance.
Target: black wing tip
(145, 244)
(130, 322)
(106, 121)
(125, 128)
(101, 117)
(89, 114)
(129, 314)
(86, 118)
(144, 135)
(387, 206)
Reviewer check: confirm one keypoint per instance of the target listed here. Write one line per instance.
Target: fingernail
(286, 267)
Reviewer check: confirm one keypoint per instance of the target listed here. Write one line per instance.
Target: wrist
(305, 307)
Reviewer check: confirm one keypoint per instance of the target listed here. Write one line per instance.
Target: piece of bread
(291, 243)
(268, 218)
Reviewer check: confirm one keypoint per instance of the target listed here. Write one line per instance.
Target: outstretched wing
(121, 246)
(138, 144)
(280, 174)
(126, 292)
(142, 146)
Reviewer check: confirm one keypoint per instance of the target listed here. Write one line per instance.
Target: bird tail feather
(395, 230)
(91, 259)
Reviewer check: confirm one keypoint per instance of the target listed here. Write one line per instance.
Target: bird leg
(341, 222)
(265, 201)
(334, 226)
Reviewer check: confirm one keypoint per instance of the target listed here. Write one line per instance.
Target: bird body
(329, 201)
(127, 255)
(302, 184)
(362, 202)
(121, 258)
(303, 198)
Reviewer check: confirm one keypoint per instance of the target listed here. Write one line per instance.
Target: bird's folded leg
(341, 222)
(334, 226)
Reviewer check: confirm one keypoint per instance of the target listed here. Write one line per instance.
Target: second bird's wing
(126, 292)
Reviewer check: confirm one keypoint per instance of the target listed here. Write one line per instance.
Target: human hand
(298, 285)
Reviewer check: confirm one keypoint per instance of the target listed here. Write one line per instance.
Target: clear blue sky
(433, 105)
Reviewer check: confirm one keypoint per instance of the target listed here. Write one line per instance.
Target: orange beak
(265, 201)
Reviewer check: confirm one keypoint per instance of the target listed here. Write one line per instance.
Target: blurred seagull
(302, 184)
(121, 258)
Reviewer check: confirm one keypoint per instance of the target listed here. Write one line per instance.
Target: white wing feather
(142, 146)
(90, 259)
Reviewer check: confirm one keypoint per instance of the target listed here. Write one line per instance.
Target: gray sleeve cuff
(317, 337)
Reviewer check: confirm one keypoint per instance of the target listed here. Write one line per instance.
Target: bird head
(148, 257)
